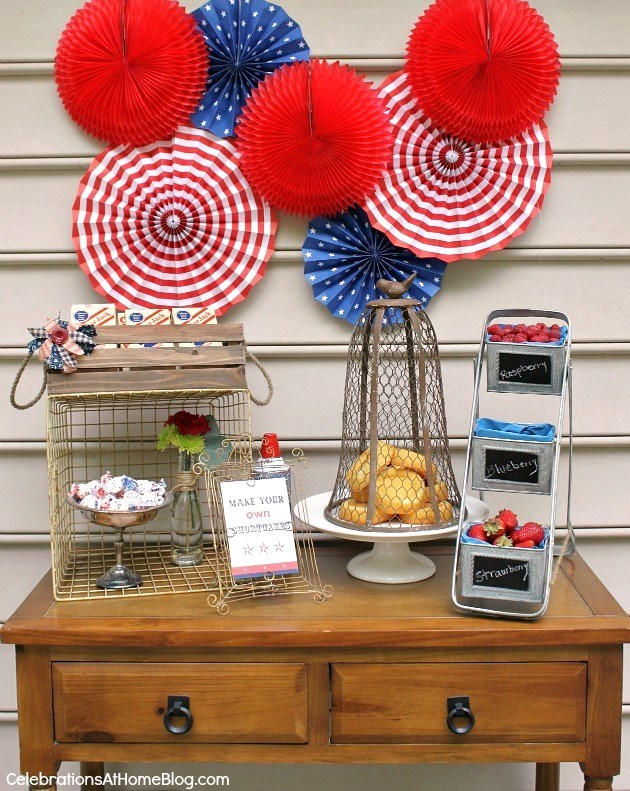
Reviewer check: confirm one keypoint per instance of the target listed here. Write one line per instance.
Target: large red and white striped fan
(451, 199)
(172, 223)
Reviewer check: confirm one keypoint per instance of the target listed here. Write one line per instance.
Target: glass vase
(186, 522)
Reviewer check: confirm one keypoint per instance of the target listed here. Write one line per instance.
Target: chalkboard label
(489, 572)
(511, 465)
(531, 369)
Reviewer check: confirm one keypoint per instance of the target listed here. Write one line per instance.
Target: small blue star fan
(345, 256)
(246, 39)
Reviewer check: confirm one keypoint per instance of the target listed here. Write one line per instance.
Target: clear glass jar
(186, 521)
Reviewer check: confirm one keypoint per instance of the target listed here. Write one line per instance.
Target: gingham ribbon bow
(58, 342)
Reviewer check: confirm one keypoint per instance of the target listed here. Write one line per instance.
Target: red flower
(187, 423)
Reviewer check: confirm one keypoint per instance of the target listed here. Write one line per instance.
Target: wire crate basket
(395, 471)
(106, 417)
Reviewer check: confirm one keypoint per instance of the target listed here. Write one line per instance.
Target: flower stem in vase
(186, 521)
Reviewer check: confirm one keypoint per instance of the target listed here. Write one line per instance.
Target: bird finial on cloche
(393, 289)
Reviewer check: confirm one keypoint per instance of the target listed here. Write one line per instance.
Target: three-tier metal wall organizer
(508, 581)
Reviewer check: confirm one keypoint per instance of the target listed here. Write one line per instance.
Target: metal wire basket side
(394, 402)
(88, 434)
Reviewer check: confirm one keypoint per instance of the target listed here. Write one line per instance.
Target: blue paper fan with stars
(247, 39)
(344, 256)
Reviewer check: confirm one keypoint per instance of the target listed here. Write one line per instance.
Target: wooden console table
(363, 678)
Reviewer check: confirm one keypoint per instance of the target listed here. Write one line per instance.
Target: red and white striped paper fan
(172, 223)
(451, 199)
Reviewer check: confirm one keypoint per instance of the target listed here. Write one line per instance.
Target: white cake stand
(390, 560)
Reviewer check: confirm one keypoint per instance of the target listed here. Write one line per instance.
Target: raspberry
(508, 338)
(493, 329)
(530, 331)
(496, 338)
(520, 337)
(519, 328)
(555, 327)
(540, 326)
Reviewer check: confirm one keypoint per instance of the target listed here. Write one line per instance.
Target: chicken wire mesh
(394, 402)
(89, 434)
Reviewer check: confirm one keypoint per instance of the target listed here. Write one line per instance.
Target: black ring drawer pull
(178, 706)
(459, 709)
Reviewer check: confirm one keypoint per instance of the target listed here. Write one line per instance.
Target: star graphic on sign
(264, 548)
(248, 550)
(279, 547)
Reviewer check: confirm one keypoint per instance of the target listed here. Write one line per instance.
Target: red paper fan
(130, 71)
(483, 70)
(314, 138)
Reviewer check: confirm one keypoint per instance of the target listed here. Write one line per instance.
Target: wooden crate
(157, 368)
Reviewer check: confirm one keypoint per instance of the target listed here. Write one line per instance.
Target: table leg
(597, 783)
(35, 707)
(547, 777)
(92, 769)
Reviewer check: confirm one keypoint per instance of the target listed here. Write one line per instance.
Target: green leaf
(165, 437)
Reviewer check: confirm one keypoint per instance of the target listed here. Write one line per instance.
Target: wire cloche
(395, 468)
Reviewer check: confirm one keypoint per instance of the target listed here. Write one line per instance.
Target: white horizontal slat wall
(575, 257)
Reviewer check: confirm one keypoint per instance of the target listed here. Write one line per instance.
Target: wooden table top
(359, 614)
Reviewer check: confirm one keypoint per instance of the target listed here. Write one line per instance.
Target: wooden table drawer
(230, 703)
(407, 703)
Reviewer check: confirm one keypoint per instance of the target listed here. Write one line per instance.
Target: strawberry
(502, 541)
(493, 329)
(496, 338)
(520, 337)
(494, 528)
(531, 531)
(509, 519)
(525, 545)
(478, 532)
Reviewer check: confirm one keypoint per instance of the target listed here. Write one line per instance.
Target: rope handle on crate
(259, 365)
(16, 382)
